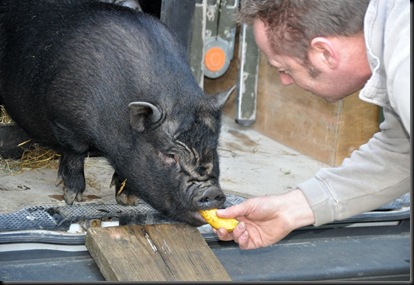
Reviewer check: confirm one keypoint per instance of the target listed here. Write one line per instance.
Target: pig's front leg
(71, 173)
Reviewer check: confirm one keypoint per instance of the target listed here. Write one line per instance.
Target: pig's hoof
(79, 197)
(127, 200)
(70, 196)
(58, 181)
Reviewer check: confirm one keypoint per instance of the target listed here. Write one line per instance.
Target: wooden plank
(163, 252)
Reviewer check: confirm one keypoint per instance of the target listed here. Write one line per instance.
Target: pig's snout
(209, 197)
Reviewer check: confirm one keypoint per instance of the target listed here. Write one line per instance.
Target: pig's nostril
(208, 199)
(220, 198)
(204, 200)
(212, 197)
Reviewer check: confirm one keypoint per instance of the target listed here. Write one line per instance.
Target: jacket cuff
(319, 199)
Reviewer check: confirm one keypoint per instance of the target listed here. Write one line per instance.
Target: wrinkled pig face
(181, 164)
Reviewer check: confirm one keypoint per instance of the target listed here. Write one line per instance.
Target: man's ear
(322, 50)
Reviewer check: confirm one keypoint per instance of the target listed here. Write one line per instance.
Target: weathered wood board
(162, 252)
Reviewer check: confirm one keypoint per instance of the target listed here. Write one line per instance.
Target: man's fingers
(243, 240)
(232, 211)
(223, 234)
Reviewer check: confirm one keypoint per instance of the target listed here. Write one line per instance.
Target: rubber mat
(59, 218)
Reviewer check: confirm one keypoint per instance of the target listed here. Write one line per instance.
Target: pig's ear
(218, 100)
(142, 114)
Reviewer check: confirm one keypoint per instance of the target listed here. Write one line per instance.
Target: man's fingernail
(220, 211)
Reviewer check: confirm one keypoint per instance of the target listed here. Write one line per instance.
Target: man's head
(312, 43)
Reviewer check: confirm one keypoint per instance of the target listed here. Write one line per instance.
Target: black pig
(84, 75)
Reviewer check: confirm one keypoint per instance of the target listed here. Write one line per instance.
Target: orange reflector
(215, 59)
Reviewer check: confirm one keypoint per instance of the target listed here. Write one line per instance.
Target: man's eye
(285, 72)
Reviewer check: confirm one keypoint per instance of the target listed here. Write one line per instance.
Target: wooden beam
(163, 252)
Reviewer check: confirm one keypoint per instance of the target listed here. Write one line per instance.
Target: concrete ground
(250, 163)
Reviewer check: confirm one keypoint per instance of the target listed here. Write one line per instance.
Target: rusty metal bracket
(247, 80)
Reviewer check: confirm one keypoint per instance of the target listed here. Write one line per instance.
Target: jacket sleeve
(372, 176)
(399, 82)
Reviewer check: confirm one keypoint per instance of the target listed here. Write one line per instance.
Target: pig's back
(60, 58)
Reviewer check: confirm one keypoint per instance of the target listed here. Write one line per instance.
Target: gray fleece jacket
(379, 171)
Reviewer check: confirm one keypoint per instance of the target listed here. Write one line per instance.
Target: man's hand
(267, 219)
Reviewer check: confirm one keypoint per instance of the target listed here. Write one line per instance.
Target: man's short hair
(292, 24)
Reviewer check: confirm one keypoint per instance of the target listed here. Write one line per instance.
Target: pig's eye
(169, 158)
(202, 170)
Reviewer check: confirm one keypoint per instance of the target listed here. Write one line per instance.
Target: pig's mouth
(193, 218)
(203, 198)
(196, 215)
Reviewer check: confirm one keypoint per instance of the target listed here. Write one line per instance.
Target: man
(333, 48)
